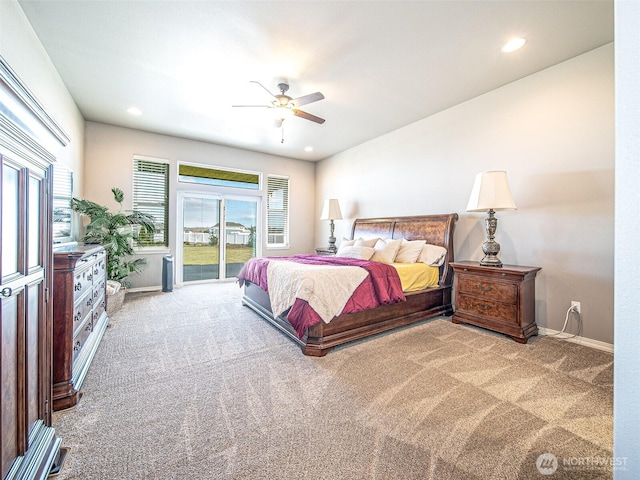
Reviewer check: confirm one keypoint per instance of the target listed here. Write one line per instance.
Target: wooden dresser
(79, 317)
(497, 298)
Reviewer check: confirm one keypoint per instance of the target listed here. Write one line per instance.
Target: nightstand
(324, 251)
(501, 299)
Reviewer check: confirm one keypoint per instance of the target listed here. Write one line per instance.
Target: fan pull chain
(282, 132)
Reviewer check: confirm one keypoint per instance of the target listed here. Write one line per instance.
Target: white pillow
(432, 255)
(409, 251)
(369, 242)
(346, 242)
(386, 250)
(361, 253)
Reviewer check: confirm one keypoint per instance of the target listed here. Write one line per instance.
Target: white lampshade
(490, 192)
(331, 210)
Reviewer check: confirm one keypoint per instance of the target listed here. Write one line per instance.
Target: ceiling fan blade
(265, 88)
(307, 116)
(305, 99)
(253, 106)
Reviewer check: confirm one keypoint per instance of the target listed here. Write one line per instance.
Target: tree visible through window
(277, 211)
(151, 196)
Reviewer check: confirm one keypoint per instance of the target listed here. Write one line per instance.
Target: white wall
(109, 163)
(24, 53)
(627, 259)
(554, 134)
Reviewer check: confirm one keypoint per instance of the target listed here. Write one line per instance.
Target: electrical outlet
(576, 306)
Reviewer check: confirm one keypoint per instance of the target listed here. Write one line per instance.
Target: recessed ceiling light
(134, 111)
(513, 45)
(308, 149)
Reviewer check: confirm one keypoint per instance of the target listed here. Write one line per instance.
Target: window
(277, 211)
(62, 210)
(218, 176)
(151, 196)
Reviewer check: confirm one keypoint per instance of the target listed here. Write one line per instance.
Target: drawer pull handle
(78, 286)
(77, 317)
(485, 288)
(89, 327)
(77, 346)
(90, 277)
(484, 307)
(6, 292)
(89, 302)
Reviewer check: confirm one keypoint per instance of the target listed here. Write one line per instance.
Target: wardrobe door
(12, 302)
(28, 441)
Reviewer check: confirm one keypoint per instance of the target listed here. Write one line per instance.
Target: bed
(347, 327)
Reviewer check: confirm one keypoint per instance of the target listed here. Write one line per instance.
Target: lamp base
(332, 239)
(490, 261)
(491, 248)
(332, 244)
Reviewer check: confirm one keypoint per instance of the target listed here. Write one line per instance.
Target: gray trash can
(167, 273)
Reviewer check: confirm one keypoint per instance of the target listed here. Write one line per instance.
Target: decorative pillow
(346, 242)
(409, 251)
(361, 253)
(386, 250)
(432, 255)
(369, 242)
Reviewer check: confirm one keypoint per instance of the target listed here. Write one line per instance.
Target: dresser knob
(77, 287)
(77, 346)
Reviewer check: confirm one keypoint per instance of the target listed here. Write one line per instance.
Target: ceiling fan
(287, 106)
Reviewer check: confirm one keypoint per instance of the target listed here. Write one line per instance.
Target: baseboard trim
(587, 342)
(145, 289)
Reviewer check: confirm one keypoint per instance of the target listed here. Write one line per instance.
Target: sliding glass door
(218, 235)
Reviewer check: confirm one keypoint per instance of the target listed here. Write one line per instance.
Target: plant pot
(115, 297)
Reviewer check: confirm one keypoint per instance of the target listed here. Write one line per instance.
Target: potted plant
(115, 233)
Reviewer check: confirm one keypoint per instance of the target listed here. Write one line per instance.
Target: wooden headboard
(435, 229)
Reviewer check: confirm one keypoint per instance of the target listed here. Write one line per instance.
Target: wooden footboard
(354, 326)
(435, 229)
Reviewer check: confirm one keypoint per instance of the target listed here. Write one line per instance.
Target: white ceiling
(381, 65)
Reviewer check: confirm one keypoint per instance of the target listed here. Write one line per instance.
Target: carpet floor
(192, 385)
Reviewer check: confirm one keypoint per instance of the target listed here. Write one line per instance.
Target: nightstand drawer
(487, 308)
(491, 290)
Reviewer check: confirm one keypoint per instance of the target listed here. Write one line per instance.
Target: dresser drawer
(81, 338)
(82, 282)
(81, 308)
(484, 307)
(100, 267)
(488, 289)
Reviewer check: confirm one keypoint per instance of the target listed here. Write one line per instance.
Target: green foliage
(114, 232)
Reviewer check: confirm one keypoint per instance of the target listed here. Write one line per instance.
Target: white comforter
(326, 288)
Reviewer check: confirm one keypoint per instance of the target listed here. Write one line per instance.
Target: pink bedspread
(381, 287)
